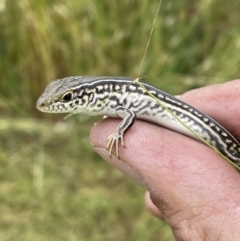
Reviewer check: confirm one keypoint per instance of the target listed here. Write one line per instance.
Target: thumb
(196, 191)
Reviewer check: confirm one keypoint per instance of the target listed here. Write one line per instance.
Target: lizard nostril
(40, 104)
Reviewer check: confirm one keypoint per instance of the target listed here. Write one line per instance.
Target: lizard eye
(67, 96)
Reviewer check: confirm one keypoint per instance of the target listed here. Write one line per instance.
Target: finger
(187, 180)
(220, 101)
(151, 207)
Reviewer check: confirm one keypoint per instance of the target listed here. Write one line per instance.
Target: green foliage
(53, 187)
(43, 40)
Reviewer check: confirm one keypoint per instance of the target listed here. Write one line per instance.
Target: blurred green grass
(53, 186)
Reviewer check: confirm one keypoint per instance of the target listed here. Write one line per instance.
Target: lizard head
(64, 96)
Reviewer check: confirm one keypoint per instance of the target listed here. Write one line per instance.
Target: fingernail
(122, 166)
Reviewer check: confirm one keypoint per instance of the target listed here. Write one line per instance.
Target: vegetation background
(52, 185)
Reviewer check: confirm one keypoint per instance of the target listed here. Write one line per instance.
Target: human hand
(189, 185)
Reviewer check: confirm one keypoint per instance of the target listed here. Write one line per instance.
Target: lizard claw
(114, 140)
